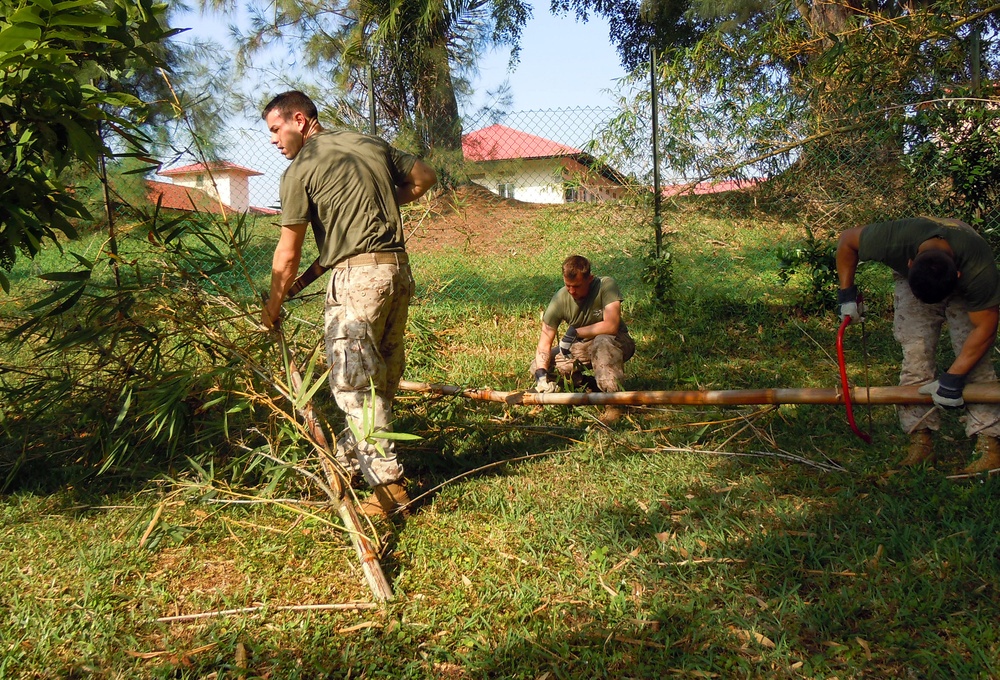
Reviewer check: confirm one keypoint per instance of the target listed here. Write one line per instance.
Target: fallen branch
(973, 475)
(826, 467)
(350, 606)
(337, 486)
(152, 525)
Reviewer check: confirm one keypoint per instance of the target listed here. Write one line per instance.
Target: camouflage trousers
(605, 354)
(917, 327)
(364, 321)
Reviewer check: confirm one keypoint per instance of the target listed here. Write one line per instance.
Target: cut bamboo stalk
(975, 393)
(370, 566)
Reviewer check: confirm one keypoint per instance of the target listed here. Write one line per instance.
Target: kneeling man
(596, 336)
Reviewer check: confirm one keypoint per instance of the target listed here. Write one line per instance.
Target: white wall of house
(231, 189)
(546, 181)
(532, 181)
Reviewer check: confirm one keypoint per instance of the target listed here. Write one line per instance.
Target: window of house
(199, 180)
(505, 190)
(571, 194)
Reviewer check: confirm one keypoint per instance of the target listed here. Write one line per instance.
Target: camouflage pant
(606, 354)
(365, 319)
(917, 327)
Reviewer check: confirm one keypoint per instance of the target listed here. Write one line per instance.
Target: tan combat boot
(921, 449)
(989, 459)
(385, 499)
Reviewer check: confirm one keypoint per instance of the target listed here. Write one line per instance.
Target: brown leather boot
(921, 449)
(385, 499)
(989, 459)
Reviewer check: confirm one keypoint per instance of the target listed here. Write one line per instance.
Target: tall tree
(760, 76)
(421, 53)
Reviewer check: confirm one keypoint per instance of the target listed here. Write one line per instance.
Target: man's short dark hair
(574, 266)
(932, 276)
(290, 102)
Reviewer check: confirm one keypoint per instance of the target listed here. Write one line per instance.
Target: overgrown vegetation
(812, 263)
(689, 541)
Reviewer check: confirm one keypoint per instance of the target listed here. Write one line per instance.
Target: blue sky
(564, 64)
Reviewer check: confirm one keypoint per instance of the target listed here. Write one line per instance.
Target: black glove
(946, 391)
(567, 341)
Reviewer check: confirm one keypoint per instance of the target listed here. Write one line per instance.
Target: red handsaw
(843, 379)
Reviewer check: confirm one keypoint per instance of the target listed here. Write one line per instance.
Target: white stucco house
(221, 180)
(522, 166)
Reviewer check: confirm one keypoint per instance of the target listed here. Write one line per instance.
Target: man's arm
(543, 353)
(848, 246)
(420, 178)
(608, 326)
(284, 267)
(979, 342)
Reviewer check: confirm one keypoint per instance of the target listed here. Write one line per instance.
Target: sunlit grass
(682, 542)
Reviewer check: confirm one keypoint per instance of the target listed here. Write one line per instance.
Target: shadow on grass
(890, 576)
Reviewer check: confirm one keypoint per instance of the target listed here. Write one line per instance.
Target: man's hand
(946, 391)
(542, 384)
(268, 318)
(849, 306)
(567, 341)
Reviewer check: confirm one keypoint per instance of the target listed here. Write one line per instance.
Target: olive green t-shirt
(895, 244)
(603, 291)
(344, 185)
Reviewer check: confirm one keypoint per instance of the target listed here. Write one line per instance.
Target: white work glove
(946, 391)
(542, 384)
(849, 306)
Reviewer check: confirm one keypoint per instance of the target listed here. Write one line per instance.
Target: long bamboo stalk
(978, 393)
(370, 566)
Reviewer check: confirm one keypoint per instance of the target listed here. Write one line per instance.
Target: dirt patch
(469, 218)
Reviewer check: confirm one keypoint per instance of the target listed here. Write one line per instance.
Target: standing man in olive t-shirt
(944, 271)
(348, 187)
(596, 337)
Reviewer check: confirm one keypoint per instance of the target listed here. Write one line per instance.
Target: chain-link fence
(588, 194)
(535, 159)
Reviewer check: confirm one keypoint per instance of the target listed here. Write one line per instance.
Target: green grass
(638, 551)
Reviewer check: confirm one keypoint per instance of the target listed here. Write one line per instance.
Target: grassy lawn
(681, 542)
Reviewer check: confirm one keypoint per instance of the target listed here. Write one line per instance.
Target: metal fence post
(654, 96)
(372, 126)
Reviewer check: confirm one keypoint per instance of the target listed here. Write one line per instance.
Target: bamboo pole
(370, 566)
(976, 393)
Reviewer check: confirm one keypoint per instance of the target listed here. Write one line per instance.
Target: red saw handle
(844, 384)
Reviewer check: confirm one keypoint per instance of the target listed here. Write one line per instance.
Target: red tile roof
(701, 188)
(195, 168)
(499, 143)
(176, 197)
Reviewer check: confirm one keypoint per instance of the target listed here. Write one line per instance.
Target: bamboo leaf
(124, 409)
(89, 264)
(65, 276)
(395, 436)
(74, 290)
(306, 396)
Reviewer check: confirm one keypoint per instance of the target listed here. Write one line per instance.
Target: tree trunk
(436, 104)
